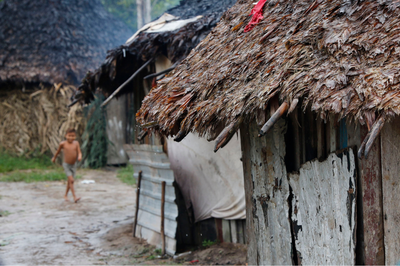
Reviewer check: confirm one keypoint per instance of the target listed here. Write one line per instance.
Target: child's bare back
(72, 153)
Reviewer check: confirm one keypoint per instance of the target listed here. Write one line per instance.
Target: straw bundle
(37, 121)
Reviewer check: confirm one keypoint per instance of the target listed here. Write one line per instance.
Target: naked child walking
(72, 154)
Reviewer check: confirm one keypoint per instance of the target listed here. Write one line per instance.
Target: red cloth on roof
(257, 15)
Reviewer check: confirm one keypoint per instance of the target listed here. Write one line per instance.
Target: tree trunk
(139, 7)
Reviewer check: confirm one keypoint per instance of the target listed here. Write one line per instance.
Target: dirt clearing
(39, 227)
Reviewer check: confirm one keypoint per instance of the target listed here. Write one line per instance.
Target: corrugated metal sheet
(324, 210)
(155, 167)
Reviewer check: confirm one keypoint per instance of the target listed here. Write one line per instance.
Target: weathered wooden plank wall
(390, 143)
(231, 230)
(323, 210)
(116, 133)
(267, 190)
(371, 250)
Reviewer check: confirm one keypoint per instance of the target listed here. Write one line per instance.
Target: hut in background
(307, 83)
(208, 186)
(46, 47)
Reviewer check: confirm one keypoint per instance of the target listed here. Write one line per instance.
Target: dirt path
(39, 227)
(42, 228)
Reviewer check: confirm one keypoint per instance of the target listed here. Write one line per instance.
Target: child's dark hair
(70, 130)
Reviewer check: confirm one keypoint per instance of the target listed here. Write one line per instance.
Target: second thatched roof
(175, 44)
(55, 40)
(340, 57)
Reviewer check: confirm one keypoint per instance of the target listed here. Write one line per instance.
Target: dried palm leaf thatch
(56, 41)
(38, 119)
(124, 60)
(338, 56)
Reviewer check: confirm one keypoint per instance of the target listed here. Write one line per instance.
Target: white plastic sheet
(211, 182)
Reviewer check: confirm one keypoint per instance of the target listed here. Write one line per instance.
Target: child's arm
(57, 152)
(79, 152)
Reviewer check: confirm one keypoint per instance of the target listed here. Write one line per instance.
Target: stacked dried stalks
(37, 121)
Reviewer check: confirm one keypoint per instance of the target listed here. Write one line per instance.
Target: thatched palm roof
(338, 57)
(124, 60)
(55, 40)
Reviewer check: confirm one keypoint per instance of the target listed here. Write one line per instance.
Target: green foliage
(151, 257)
(29, 169)
(94, 138)
(158, 7)
(123, 9)
(4, 213)
(158, 251)
(34, 176)
(208, 243)
(126, 10)
(125, 174)
(9, 162)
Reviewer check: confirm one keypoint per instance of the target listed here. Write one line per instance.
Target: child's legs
(71, 185)
(66, 192)
(70, 171)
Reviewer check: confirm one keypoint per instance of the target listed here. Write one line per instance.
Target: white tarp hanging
(211, 182)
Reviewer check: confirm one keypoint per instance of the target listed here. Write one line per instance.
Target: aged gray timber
(116, 133)
(267, 191)
(390, 141)
(324, 210)
(155, 167)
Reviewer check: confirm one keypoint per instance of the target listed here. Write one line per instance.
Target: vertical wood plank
(240, 231)
(268, 210)
(226, 231)
(293, 118)
(320, 138)
(137, 202)
(332, 133)
(244, 231)
(162, 217)
(371, 189)
(250, 233)
(234, 235)
(390, 141)
(302, 134)
(218, 227)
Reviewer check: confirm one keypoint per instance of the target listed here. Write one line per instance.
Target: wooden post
(266, 193)
(162, 216)
(137, 202)
(390, 146)
(372, 210)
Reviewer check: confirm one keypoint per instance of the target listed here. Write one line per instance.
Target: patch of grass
(10, 162)
(151, 257)
(34, 176)
(125, 174)
(158, 251)
(4, 213)
(208, 243)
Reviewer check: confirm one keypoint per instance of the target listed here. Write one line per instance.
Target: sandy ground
(39, 227)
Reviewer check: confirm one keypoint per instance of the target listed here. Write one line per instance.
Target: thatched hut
(212, 203)
(330, 70)
(46, 48)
